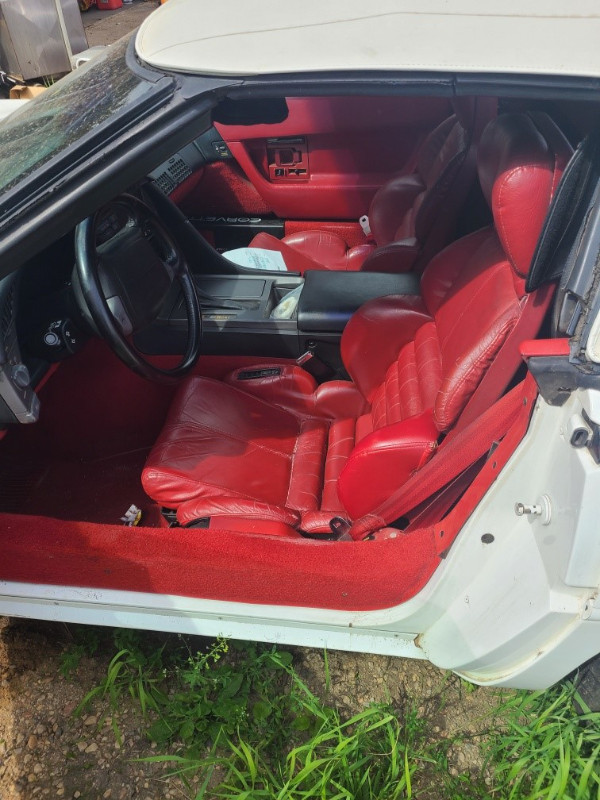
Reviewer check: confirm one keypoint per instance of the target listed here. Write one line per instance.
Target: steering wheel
(121, 283)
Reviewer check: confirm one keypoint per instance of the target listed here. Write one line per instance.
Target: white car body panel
(240, 38)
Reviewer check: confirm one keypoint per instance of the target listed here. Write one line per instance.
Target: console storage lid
(330, 297)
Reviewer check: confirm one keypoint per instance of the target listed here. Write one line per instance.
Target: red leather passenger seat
(283, 449)
(412, 216)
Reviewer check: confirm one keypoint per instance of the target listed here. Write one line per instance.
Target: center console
(236, 313)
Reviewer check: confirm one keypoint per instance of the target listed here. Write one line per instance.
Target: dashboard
(18, 401)
(110, 223)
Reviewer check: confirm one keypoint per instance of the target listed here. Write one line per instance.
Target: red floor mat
(98, 491)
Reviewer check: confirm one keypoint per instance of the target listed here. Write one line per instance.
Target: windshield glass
(66, 112)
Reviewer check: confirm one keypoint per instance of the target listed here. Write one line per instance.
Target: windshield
(67, 112)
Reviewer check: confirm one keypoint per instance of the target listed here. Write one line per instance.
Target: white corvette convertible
(300, 333)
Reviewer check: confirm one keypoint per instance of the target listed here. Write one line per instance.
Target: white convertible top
(255, 37)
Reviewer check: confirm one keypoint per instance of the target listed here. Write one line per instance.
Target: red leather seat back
(427, 202)
(405, 206)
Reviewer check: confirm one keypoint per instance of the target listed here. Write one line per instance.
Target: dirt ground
(105, 27)
(47, 751)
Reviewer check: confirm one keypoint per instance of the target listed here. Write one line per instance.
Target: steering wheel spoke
(117, 309)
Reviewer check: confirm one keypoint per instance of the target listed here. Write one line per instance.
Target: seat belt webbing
(455, 454)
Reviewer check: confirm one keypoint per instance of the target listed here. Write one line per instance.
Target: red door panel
(331, 154)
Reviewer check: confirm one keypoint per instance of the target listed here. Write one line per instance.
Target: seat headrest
(520, 161)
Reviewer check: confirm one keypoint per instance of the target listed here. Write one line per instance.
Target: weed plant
(235, 720)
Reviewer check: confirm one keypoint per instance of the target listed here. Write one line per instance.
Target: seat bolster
(384, 460)
(375, 335)
(394, 257)
(214, 507)
(167, 487)
(339, 400)
(308, 466)
(297, 391)
(322, 246)
(293, 389)
(329, 249)
(254, 525)
(448, 138)
(317, 521)
(315, 250)
(465, 374)
(355, 258)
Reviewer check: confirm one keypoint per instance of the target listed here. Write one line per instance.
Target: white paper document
(257, 258)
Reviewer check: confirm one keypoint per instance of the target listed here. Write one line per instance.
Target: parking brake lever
(315, 366)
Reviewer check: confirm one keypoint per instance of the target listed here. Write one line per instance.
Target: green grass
(544, 749)
(235, 720)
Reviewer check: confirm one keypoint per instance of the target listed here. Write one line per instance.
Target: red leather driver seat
(412, 216)
(287, 451)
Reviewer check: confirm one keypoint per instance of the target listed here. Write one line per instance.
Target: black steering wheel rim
(88, 266)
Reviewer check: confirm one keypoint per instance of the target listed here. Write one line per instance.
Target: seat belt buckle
(364, 224)
(315, 366)
(341, 528)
